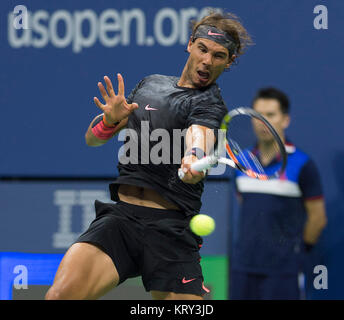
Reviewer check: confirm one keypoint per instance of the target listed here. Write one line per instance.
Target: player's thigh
(162, 295)
(85, 272)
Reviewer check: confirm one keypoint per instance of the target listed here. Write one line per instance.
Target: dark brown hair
(229, 23)
(274, 93)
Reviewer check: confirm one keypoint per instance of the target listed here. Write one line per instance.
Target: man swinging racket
(145, 233)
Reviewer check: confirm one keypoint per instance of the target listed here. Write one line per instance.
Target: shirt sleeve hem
(314, 197)
(203, 123)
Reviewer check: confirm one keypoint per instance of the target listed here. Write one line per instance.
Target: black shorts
(156, 244)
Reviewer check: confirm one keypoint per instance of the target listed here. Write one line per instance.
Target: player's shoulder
(212, 91)
(215, 90)
(210, 95)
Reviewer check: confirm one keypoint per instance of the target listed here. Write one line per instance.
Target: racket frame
(209, 161)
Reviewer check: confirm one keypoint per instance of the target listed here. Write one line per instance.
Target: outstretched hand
(116, 107)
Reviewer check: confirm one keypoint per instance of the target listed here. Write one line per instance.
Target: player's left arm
(116, 111)
(200, 141)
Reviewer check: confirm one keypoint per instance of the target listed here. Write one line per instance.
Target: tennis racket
(241, 131)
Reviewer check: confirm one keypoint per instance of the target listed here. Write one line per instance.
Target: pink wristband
(102, 132)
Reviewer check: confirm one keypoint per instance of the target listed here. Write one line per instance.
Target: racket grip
(200, 165)
(181, 174)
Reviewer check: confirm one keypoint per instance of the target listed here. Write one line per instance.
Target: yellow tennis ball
(202, 225)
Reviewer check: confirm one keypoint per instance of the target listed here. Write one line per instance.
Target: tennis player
(145, 233)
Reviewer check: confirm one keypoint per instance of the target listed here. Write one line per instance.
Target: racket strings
(256, 163)
(243, 134)
(238, 152)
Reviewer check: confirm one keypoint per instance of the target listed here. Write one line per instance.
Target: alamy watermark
(321, 19)
(321, 280)
(161, 146)
(21, 280)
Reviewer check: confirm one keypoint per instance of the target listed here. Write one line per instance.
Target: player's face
(270, 109)
(206, 62)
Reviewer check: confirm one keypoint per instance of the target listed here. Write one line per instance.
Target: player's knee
(63, 292)
(54, 294)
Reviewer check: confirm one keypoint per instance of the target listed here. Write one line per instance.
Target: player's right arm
(115, 113)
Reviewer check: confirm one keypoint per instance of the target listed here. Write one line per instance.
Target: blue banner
(47, 217)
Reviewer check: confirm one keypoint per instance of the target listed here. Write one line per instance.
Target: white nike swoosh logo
(147, 107)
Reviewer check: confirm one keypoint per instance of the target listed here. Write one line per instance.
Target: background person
(279, 220)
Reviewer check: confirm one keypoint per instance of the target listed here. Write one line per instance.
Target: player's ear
(286, 121)
(230, 61)
(190, 43)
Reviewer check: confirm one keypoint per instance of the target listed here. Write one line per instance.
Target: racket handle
(200, 165)
(181, 174)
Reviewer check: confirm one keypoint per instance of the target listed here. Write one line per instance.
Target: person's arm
(310, 184)
(316, 220)
(115, 113)
(200, 139)
(92, 140)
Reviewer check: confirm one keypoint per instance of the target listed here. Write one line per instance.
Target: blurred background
(49, 178)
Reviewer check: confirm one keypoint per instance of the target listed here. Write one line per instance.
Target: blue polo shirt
(272, 216)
